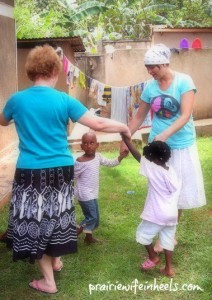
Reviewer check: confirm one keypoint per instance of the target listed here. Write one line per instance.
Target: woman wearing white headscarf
(170, 95)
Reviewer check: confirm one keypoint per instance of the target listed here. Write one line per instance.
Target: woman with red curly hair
(42, 224)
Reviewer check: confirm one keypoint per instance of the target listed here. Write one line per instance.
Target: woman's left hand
(160, 137)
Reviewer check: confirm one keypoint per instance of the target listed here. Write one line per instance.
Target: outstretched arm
(132, 148)
(104, 124)
(139, 117)
(137, 120)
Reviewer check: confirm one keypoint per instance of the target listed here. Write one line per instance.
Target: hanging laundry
(93, 89)
(76, 72)
(119, 111)
(75, 75)
(128, 104)
(65, 64)
(71, 81)
(105, 111)
(82, 81)
(107, 94)
(69, 78)
(69, 73)
(118, 103)
(148, 119)
(88, 82)
(100, 93)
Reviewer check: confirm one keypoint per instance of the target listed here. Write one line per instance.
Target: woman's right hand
(123, 147)
(126, 133)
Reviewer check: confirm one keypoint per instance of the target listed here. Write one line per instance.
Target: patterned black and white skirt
(42, 215)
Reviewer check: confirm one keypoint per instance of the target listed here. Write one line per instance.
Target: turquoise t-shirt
(41, 117)
(166, 109)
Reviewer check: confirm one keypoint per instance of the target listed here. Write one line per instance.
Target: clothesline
(112, 86)
(117, 103)
(72, 71)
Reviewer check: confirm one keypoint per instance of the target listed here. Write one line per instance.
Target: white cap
(157, 55)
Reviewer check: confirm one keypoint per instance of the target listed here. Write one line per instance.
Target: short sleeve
(186, 84)
(76, 170)
(9, 110)
(145, 96)
(144, 166)
(75, 109)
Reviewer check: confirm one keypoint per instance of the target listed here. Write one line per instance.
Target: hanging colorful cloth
(65, 64)
(82, 80)
(106, 98)
(107, 94)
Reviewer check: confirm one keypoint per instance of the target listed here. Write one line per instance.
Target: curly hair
(157, 150)
(42, 62)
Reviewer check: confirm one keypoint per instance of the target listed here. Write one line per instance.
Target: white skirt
(186, 164)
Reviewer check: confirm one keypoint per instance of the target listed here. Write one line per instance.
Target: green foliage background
(107, 19)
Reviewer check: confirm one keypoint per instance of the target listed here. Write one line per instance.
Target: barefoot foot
(91, 240)
(167, 272)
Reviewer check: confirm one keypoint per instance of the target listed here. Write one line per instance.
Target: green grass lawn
(113, 266)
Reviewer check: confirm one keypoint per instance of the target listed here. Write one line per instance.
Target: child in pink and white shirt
(86, 174)
(160, 213)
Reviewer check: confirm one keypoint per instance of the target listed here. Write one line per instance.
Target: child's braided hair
(157, 150)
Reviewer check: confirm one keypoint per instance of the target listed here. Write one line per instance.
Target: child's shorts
(146, 231)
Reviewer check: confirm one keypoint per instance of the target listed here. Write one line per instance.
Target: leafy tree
(107, 19)
(37, 19)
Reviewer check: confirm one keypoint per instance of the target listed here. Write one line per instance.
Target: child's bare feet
(167, 272)
(89, 239)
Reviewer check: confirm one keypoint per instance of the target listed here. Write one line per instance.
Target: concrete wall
(24, 82)
(172, 37)
(198, 64)
(8, 76)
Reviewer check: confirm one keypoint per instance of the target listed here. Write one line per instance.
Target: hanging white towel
(100, 92)
(119, 110)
